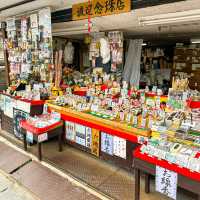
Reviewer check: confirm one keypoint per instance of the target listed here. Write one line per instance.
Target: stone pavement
(11, 190)
(99, 178)
(22, 177)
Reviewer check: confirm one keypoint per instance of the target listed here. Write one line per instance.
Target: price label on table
(43, 137)
(29, 137)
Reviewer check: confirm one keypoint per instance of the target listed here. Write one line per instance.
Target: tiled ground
(10, 190)
(11, 159)
(48, 185)
(106, 178)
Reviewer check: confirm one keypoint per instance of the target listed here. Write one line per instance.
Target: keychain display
(29, 46)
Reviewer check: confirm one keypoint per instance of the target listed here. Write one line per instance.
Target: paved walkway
(22, 178)
(11, 190)
(103, 178)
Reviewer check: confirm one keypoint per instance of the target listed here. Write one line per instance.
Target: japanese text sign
(100, 8)
(166, 182)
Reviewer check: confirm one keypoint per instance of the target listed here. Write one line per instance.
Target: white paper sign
(166, 182)
(29, 137)
(119, 147)
(88, 137)
(70, 131)
(24, 106)
(9, 103)
(106, 143)
(80, 134)
(43, 137)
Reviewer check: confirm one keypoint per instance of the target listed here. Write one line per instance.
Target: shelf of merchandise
(111, 127)
(165, 164)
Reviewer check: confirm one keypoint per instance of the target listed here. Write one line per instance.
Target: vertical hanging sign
(95, 142)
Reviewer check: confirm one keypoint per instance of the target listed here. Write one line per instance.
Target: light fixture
(170, 18)
(144, 44)
(74, 31)
(195, 41)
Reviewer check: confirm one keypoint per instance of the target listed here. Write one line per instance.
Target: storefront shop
(118, 83)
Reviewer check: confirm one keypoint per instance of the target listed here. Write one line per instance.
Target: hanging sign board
(166, 182)
(95, 142)
(98, 8)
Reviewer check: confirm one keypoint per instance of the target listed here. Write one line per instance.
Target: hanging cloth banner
(96, 8)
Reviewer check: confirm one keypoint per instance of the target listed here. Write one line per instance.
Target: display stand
(187, 179)
(23, 107)
(112, 128)
(54, 130)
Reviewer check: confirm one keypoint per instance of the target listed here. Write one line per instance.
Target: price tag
(128, 117)
(157, 102)
(135, 120)
(43, 137)
(45, 109)
(143, 123)
(29, 137)
(142, 139)
(94, 108)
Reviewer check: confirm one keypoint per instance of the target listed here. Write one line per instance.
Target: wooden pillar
(137, 184)
(147, 183)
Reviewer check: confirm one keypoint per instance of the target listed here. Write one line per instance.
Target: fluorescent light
(79, 28)
(195, 41)
(67, 32)
(185, 16)
(74, 31)
(144, 44)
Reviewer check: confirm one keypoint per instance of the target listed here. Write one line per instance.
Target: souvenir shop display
(29, 46)
(175, 153)
(44, 120)
(41, 128)
(106, 51)
(147, 114)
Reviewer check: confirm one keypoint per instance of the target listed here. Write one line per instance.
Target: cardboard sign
(43, 137)
(95, 142)
(100, 8)
(166, 182)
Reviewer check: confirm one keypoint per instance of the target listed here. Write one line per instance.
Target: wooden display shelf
(111, 127)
